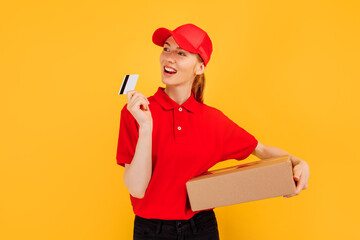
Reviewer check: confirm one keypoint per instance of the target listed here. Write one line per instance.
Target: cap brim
(161, 34)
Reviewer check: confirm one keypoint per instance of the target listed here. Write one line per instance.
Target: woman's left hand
(301, 173)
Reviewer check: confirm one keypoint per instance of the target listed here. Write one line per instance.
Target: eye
(165, 48)
(182, 54)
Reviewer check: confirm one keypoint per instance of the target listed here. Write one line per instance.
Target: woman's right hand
(138, 106)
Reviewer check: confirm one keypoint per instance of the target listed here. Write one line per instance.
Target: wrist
(145, 128)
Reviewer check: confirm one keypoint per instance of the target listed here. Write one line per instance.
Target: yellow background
(286, 71)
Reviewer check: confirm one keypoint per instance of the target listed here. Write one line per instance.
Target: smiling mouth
(169, 70)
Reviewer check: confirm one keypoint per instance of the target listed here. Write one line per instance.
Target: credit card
(128, 83)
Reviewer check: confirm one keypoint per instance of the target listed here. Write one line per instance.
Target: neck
(179, 94)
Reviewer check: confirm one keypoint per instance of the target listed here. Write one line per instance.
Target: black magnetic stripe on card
(124, 85)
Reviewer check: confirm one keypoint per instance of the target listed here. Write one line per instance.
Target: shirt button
(179, 128)
(180, 109)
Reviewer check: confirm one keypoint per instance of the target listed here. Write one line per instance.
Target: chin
(168, 81)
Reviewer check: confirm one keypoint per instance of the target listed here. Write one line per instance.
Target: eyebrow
(170, 45)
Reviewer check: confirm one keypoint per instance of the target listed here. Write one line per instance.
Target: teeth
(169, 69)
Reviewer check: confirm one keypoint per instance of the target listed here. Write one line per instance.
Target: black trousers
(201, 226)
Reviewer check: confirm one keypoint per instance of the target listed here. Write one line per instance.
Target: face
(183, 66)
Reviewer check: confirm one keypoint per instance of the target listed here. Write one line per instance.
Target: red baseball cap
(189, 37)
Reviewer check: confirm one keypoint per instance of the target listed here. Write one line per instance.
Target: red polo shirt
(187, 140)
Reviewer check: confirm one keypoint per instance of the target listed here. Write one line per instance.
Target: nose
(170, 58)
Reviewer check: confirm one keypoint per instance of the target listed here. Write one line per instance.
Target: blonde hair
(199, 85)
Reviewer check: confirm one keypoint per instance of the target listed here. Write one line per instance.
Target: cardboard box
(272, 177)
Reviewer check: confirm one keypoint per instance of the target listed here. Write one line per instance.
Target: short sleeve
(237, 142)
(128, 137)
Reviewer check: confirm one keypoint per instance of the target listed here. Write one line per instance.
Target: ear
(200, 69)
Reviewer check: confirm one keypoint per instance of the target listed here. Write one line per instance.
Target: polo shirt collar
(167, 103)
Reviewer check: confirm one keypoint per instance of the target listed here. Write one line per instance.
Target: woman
(172, 136)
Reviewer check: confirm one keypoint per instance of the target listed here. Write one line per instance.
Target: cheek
(187, 68)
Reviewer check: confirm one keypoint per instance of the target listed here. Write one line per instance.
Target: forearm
(271, 151)
(137, 175)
